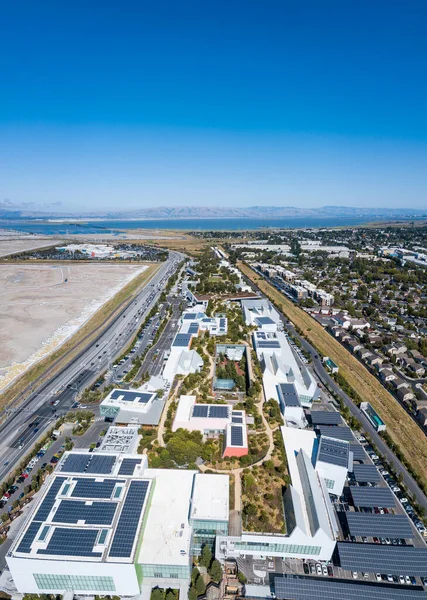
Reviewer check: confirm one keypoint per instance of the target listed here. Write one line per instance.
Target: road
(328, 381)
(25, 424)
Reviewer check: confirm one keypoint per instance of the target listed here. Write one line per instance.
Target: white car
(354, 574)
(401, 579)
(378, 576)
(318, 569)
(404, 500)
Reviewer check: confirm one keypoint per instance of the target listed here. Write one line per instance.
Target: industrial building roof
(380, 558)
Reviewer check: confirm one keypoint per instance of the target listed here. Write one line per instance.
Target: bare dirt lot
(8, 247)
(43, 305)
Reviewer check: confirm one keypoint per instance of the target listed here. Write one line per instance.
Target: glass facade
(84, 583)
(204, 533)
(166, 571)
(267, 548)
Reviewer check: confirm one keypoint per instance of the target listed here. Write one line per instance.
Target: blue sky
(132, 104)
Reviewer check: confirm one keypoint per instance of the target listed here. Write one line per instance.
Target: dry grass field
(404, 432)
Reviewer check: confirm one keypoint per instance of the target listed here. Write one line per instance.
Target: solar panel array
(130, 396)
(211, 411)
(380, 558)
(89, 488)
(97, 513)
(218, 412)
(237, 419)
(200, 410)
(189, 316)
(333, 451)
(28, 537)
(182, 340)
(358, 451)
(127, 526)
(194, 328)
(128, 466)
(72, 542)
(265, 321)
(236, 436)
(365, 473)
(289, 395)
(340, 433)
(372, 496)
(49, 500)
(372, 524)
(76, 463)
(268, 344)
(307, 588)
(101, 464)
(89, 463)
(323, 417)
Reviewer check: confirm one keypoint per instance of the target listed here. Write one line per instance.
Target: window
(90, 583)
(329, 483)
(44, 533)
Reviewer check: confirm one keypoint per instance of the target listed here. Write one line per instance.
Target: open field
(41, 306)
(404, 432)
(12, 246)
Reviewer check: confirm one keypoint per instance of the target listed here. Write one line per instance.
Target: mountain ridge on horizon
(10, 210)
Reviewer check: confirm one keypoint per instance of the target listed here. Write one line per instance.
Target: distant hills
(10, 210)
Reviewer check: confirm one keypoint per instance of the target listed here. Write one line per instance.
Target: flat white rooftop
(167, 534)
(210, 497)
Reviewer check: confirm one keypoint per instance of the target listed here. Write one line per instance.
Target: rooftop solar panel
(182, 340)
(49, 500)
(194, 328)
(236, 436)
(72, 542)
(306, 588)
(265, 321)
(130, 396)
(218, 412)
(76, 463)
(101, 464)
(189, 316)
(358, 451)
(288, 394)
(97, 513)
(340, 433)
(268, 344)
(200, 410)
(128, 466)
(89, 488)
(380, 558)
(236, 419)
(365, 473)
(333, 451)
(372, 496)
(127, 526)
(323, 417)
(372, 524)
(28, 537)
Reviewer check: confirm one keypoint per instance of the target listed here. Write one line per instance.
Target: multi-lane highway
(39, 410)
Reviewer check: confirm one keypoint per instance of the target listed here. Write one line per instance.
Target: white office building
(311, 527)
(106, 524)
(132, 407)
(279, 364)
(259, 312)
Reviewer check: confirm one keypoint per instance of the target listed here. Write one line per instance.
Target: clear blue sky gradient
(135, 103)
